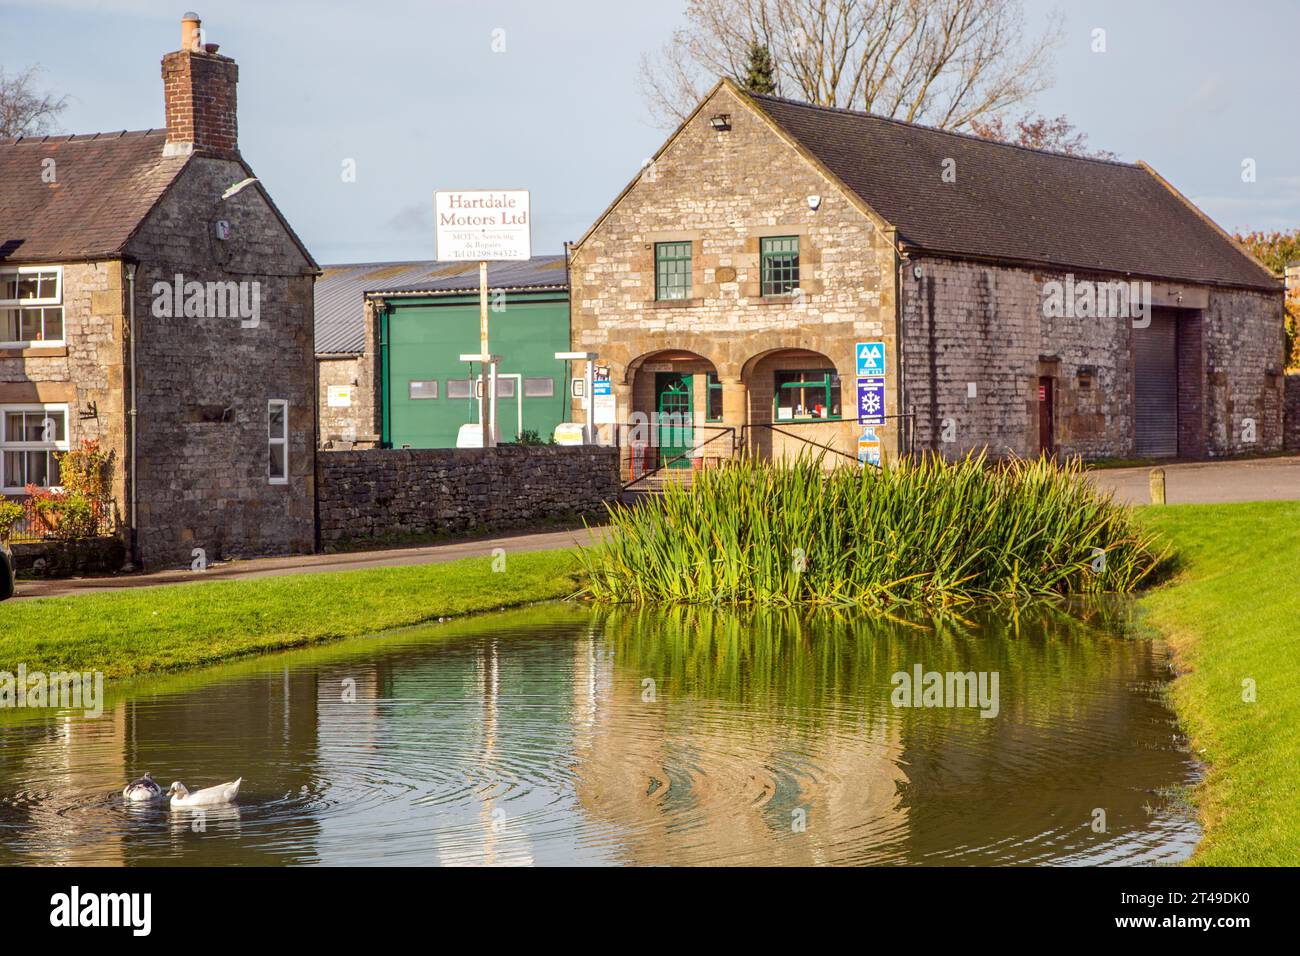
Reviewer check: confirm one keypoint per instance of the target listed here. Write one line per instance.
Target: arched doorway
(676, 413)
(799, 404)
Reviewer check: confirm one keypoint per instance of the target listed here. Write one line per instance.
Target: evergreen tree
(760, 76)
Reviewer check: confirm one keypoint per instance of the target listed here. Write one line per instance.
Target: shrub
(11, 512)
(923, 532)
(82, 506)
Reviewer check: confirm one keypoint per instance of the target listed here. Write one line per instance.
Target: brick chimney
(199, 87)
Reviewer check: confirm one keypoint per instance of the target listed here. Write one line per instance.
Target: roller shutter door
(1155, 359)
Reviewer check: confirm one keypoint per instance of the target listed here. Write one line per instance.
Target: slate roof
(104, 186)
(341, 290)
(1014, 203)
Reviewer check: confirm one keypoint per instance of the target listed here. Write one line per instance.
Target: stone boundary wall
(389, 495)
(66, 559)
(1291, 415)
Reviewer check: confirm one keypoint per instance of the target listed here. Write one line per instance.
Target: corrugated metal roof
(341, 290)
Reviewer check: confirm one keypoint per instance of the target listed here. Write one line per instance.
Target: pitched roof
(1013, 203)
(341, 290)
(104, 186)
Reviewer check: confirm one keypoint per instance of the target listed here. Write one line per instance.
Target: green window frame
(672, 271)
(806, 395)
(779, 259)
(713, 407)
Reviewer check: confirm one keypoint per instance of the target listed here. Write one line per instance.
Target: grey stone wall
(204, 381)
(966, 322)
(1293, 411)
(65, 559)
(386, 495)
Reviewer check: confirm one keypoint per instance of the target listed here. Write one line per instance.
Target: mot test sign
(482, 225)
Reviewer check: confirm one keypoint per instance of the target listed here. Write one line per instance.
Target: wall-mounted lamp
(720, 123)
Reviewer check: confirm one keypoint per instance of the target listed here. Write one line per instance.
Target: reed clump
(920, 532)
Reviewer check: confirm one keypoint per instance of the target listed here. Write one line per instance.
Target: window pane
(9, 286)
(9, 322)
(715, 398)
(279, 457)
(422, 390)
(53, 324)
(459, 388)
(13, 469)
(539, 387)
(275, 411)
(48, 285)
(28, 286)
(505, 388)
(29, 326)
(780, 265)
(35, 468)
(672, 270)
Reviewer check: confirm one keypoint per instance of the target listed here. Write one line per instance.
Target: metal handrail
(723, 430)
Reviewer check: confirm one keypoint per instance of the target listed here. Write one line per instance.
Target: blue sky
(413, 92)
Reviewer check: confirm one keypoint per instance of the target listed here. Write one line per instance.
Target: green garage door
(427, 390)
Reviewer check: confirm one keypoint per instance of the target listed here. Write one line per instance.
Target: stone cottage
(152, 297)
(780, 274)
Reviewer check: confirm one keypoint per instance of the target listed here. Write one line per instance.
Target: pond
(566, 735)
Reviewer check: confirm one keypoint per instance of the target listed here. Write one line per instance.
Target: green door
(676, 432)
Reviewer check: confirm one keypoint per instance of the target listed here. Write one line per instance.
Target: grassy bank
(146, 630)
(925, 533)
(1232, 614)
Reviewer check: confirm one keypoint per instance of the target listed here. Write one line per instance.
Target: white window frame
(46, 303)
(272, 441)
(7, 445)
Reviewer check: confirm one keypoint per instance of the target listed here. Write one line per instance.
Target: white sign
(339, 396)
(482, 224)
(604, 410)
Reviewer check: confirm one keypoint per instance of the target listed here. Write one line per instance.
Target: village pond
(563, 734)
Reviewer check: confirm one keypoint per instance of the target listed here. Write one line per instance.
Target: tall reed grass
(922, 532)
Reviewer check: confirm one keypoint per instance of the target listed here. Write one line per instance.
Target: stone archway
(799, 402)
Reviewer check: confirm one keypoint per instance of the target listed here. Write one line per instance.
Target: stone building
(147, 278)
(1023, 301)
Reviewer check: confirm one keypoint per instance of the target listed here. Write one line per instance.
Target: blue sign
(871, 401)
(869, 448)
(871, 359)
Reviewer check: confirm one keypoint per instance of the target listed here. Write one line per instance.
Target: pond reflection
(562, 734)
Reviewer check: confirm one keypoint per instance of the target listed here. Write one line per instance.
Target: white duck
(207, 797)
(146, 788)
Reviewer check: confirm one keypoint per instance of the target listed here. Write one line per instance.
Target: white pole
(588, 436)
(485, 404)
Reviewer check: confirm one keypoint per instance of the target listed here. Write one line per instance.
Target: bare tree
(23, 110)
(939, 62)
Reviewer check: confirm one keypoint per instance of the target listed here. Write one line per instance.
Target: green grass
(1232, 613)
(924, 533)
(148, 630)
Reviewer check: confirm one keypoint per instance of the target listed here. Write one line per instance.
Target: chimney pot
(191, 31)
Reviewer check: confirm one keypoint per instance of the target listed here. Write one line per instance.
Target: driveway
(312, 563)
(1208, 482)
